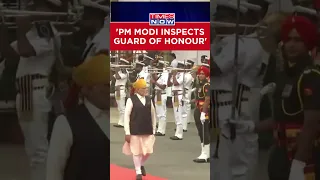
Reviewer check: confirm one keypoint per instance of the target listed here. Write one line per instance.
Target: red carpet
(120, 173)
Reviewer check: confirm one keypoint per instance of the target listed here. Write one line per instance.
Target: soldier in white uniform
(204, 59)
(188, 82)
(234, 160)
(142, 73)
(93, 23)
(121, 77)
(174, 64)
(174, 61)
(37, 58)
(93, 20)
(176, 81)
(160, 99)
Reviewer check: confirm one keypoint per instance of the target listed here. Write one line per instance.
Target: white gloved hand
(243, 126)
(203, 117)
(297, 170)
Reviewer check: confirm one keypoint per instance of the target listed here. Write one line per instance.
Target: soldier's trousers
(121, 104)
(34, 126)
(161, 110)
(203, 129)
(177, 111)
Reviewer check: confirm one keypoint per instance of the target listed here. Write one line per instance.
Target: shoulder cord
(299, 95)
(203, 90)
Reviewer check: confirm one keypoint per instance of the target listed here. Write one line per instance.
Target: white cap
(159, 57)
(140, 63)
(231, 4)
(55, 2)
(250, 6)
(125, 61)
(148, 57)
(183, 62)
(95, 4)
(174, 63)
(191, 59)
(300, 9)
(162, 62)
(204, 64)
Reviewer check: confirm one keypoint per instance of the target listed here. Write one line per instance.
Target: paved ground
(172, 159)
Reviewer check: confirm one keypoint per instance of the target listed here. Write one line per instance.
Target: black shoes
(159, 134)
(143, 171)
(201, 160)
(118, 126)
(175, 138)
(139, 177)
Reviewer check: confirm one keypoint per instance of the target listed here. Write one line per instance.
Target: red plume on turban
(205, 70)
(306, 29)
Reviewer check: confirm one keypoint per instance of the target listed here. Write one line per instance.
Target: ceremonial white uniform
(188, 80)
(31, 101)
(121, 100)
(236, 160)
(144, 74)
(161, 109)
(174, 64)
(100, 41)
(179, 108)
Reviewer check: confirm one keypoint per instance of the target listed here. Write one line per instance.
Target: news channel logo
(162, 19)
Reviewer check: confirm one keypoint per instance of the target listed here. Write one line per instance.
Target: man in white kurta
(139, 127)
(93, 77)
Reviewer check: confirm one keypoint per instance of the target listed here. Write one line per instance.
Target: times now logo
(162, 19)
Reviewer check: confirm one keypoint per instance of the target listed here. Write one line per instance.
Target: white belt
(40, 82)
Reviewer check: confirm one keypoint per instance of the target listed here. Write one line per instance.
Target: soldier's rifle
(235, 78)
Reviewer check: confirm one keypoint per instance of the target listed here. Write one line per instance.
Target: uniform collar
(93, 110)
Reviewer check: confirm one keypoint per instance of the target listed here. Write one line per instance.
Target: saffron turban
(205, 70)
(92, 72)
(139, 84)
(306, 29)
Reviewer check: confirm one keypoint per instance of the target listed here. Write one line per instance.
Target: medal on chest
(287, 90)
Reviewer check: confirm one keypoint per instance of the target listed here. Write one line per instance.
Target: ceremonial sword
(235, 78)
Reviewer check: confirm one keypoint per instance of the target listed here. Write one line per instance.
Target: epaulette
(310, 69)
